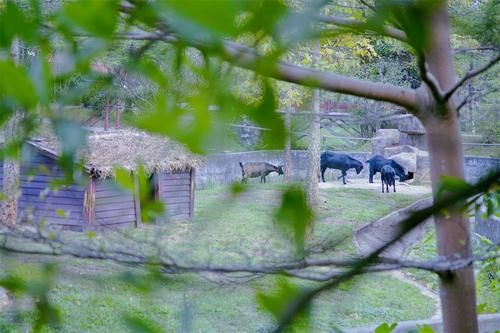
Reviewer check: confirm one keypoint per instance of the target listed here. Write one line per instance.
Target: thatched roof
(126, 148)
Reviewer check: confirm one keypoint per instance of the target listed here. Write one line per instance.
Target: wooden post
(137, 202)
(89, 202)
(288, 147)
(106, 115)
(191, 189)
(118, 115)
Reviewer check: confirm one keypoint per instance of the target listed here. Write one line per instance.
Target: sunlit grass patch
(94, 298)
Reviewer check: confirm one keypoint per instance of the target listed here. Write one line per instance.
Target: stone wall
(488, 323)
(477, 167)
(223, 168)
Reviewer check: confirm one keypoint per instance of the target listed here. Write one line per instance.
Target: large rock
(4, 299)
(391, 151)
(385, 138)
(423, 167)
(417, 161)
(411, 125)
(407, 160)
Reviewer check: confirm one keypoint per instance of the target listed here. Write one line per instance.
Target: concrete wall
(223, 168)
(477, 167)
(488, 323)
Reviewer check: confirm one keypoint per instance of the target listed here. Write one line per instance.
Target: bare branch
(362, 26)
(466, 99)
(473, 49)
(429, 79)
(364, 2)
(246, 57)
(470, 75)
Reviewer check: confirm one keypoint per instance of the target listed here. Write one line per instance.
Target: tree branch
(429, 79)
(470, 75)
(364, 2)
(246, 57)
(363, 26)
(466, 99)
(407, 225)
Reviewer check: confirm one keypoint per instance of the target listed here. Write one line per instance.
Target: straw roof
(126, 148)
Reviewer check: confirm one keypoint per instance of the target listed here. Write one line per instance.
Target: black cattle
(258, 169)
(377, 162)
(388, 176)
(340, 162)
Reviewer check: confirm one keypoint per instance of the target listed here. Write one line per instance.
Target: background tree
(8, 211)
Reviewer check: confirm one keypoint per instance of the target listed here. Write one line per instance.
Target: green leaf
(71, 137)
(152, 209)
(195, 19)
(16, 87)
(13, 284)
(279, 302)
(237, 188)
(385, 328)
(265, 115)
(264, 15)
(425, 329)
(294, 216)
(41, 77)
(94, 16)
(452, 184)
(137, 324)
(123, 177)
(61, 212)
(14, 22)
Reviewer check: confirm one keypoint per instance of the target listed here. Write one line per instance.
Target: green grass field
(93, 298)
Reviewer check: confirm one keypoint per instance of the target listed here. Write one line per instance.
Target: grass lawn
(225, 230)
(488, 292)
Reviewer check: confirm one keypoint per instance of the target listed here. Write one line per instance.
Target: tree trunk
(457, 288)
(287, 153)
(312, 188)
(10, 186)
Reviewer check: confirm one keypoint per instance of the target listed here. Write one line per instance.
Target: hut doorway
(149, 196)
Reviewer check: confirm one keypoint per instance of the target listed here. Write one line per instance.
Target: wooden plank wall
(113, 207)
(1, 175)
(175, 192)
(61, 208)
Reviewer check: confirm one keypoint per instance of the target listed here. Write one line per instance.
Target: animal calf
(376, 164)
(388, 177)
(258, 169)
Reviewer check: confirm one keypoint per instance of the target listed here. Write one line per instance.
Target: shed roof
(126, 148)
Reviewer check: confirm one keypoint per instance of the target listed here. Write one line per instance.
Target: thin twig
(429, 79)
(357, 25)
(470, 75)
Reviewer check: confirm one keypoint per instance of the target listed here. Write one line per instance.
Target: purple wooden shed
(99, 202)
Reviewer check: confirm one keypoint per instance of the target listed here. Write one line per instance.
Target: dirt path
(373, 235)
(376, 186)
(4, 299)
(423, 289)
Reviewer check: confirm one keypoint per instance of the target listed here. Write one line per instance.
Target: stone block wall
(223, 168)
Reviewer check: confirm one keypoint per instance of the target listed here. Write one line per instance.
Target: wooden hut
(96, 201)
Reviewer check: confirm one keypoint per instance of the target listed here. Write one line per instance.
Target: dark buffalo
(340, 162)
(258, 169)
(377, 162)
(388, 176)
